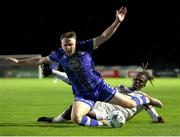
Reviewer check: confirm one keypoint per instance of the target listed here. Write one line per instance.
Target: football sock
(58, 119)
(140, 100)
(87, 121)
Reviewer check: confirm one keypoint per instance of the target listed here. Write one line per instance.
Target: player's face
(69, 45)
(139, 82)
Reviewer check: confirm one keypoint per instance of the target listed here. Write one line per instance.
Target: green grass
(22, 101)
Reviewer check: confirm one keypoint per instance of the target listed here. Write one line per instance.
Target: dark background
(150, 31)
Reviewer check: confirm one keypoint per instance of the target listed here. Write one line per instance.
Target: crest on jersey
(75, 64)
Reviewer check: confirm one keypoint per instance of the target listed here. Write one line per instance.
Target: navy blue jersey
(79, 68)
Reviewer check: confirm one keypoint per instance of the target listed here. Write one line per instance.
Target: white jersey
(102, 109)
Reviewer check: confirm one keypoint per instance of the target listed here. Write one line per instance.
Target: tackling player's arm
(120, 15)
(156, 118)
(34, 60)
(154, 101)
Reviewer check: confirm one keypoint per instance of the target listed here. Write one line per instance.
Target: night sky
(150, 31)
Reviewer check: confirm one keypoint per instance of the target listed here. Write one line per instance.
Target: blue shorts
(103, 92)
(88, 102)
(106, 92)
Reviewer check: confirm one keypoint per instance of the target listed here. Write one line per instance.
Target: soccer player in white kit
(102, 109)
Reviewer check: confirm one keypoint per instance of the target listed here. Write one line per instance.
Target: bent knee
(131, 104)
(76, 118)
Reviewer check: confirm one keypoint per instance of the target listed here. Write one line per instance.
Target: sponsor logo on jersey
(75, 64)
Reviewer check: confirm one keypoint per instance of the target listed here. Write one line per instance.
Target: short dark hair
(70, 34)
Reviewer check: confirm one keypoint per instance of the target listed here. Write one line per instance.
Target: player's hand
(157, 103)
(154, 102)
(159, 120)
(121, 13)
(14, 60)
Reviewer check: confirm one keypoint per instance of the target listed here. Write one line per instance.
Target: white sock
(58, 119)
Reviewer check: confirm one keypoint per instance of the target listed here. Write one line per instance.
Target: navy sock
(87, 121)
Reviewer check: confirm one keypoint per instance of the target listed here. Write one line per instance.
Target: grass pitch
(22, 101)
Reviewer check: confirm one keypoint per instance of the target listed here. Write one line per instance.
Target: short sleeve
(53, 56)
(86, 45)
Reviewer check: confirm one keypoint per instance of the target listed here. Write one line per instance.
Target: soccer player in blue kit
(76, 58)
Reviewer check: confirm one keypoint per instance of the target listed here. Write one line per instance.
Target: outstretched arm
(34, 60)
(120, 15)
(156, 118)
(61, 75)
(153, 101)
